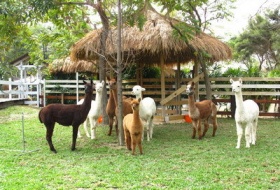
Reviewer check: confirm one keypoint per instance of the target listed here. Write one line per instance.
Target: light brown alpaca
(133, 128)
(112, 109)
(201, 111)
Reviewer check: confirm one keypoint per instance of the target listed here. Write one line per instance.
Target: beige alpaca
(133, 128)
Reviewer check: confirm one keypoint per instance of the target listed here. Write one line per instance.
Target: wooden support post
(62, 98)
(196, 73)
(162, 79)
(77, 87)
(178, 85)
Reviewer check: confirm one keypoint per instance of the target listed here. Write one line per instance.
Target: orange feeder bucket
(188, 119)
(100, 119)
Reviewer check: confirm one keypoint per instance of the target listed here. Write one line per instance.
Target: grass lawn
(172, 160)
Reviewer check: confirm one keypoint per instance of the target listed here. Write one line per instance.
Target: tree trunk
(206, 80)
(102, 63)
(119, 77)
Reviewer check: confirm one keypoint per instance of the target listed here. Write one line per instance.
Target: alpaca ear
(102, 82)
(240, 80)
(143, 89)
(108, 78)
(230, 80)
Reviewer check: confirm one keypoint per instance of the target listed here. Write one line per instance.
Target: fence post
(10, 89)
(62, 98)
(77, 86)
(44, 99)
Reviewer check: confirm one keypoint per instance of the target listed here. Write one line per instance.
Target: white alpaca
(147, 110)
(246, 114)
(95, 111)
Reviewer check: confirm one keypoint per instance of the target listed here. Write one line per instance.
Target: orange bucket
(100, 119)
(188, 119)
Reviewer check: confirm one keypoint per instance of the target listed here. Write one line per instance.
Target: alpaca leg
(239, 134)
(150, 127)
(143, 134)
(139, 144)
(199, 129)
(215, 125)
(206, 127)
(116, 127)
(86, 127)
(49, 134)
(93, 123)
(133, 144)
(248, 135)
(194, 123)
(254, 132)
(79, 134)
(111, 121)
(148, 130)
(74, 137)
(127, 139)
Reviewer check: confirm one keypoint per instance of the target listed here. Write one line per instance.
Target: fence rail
(265, 91)
(28, 92)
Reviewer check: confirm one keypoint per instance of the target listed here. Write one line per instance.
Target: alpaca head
(112, 84)
(89, 86)
(236, 85)
(135, 104)
(190, 88)
(137, 91)
(99, 86)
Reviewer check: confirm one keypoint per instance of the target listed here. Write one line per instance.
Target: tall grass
(172, 160)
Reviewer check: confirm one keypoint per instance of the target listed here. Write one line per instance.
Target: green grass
(172, 160)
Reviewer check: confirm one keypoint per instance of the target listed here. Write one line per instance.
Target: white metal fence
(30, 92)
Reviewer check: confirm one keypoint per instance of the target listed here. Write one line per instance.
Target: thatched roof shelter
(156, 39)
(161, 41)
(67, 66)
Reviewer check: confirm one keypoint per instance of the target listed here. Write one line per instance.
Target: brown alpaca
(201, 111)
(110, 108)
(66, 115)
(133, 128)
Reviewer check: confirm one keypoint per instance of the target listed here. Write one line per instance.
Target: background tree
(199, 14)
(259, 42)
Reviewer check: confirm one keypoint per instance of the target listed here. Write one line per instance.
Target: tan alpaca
(133, 128)
(201, 112)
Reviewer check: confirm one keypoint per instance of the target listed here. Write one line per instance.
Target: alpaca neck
(239, 101)
(114, 93)
(136, 117)
(112, 99)
(98, 99)
(192, 107)
(87, 101)
(139, 96)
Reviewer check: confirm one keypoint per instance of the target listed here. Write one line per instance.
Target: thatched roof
(155, 40)
(68, 66)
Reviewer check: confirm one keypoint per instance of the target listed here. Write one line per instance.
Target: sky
(245, 9)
